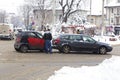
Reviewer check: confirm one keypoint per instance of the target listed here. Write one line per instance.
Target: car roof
(28, 31)
(24, 32)
(73, 34)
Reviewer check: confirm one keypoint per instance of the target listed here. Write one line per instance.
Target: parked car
(79, 42)
(29, 40)
(6, 31)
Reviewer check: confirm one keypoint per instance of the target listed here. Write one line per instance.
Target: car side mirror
(95, 42)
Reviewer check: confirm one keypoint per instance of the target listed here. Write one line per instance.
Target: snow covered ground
(109, 69)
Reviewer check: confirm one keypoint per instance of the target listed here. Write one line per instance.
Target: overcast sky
(12, 5)
(96, 6)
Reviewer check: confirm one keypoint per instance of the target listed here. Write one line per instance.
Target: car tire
(102, 50)
(41, 50)
(17, 49)
(23, 48)
(66, 49)
(60, 51)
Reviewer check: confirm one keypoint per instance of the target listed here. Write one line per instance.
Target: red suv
(29, 40)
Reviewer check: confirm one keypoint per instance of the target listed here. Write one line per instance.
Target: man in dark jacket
(48, 37)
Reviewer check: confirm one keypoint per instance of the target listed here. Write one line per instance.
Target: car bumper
(109, 49)
(56, 47)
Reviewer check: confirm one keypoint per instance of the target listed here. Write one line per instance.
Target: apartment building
(113, 15)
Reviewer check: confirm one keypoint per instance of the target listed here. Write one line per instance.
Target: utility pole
(90, 10)
(54, 6)
(54, 18)
(102, 24)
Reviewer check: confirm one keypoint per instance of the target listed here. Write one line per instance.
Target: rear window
(65, 37)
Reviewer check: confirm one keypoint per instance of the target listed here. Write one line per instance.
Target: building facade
(95, 19)
(43, 18)
(48, 17)
(113, 15)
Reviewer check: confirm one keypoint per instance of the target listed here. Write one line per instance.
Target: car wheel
(41, 50)
(102, 50)
(66, 49)
(17, 49)
(24, 48)
(60, 51)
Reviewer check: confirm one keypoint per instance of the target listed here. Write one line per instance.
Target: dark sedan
(79, 42)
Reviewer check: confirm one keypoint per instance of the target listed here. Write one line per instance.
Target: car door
(76, 42)
(32, 40)
(35, 41)
(89, 43)
(40, 40)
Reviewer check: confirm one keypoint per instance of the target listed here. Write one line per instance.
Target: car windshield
(39, 35)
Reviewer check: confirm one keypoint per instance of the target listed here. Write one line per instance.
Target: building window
(117, 21)
(112, 10)
(92, 20)
(37, 16)
(118, 11)
(111, 20)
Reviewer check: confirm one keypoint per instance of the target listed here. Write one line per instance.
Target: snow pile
(109, 69)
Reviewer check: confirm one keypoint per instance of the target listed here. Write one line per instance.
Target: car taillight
(57, 41)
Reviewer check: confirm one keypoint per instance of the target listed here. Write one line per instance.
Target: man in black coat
(48, 37)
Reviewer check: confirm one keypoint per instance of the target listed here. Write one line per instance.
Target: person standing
(48, 37)
(78, 31)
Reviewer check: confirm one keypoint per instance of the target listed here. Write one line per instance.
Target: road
(39, 66)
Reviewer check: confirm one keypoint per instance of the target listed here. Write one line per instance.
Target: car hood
(102, 43)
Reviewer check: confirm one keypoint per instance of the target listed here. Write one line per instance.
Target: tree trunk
(65, 19)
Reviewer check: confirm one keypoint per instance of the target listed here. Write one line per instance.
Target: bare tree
(16, 21)
(39, 7)
(69, 7)
(2, 16)
(25, 9)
